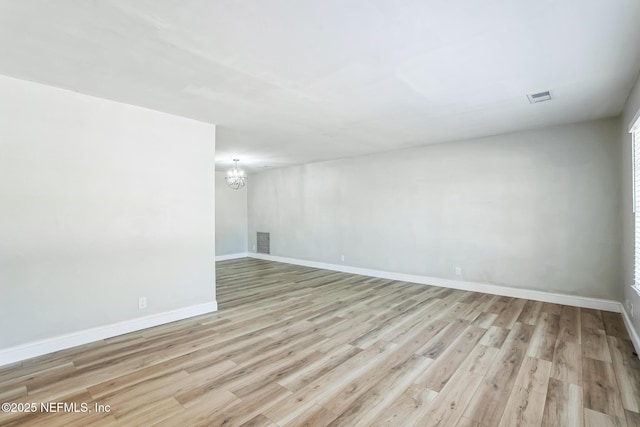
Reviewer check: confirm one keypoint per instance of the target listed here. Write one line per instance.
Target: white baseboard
(231, 256)
(573, 300)
(633, 333)
(62, 342)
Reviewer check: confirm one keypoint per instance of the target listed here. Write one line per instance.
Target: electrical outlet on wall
(458, 271)
(254, 248)
(142, 303)
(342, 258)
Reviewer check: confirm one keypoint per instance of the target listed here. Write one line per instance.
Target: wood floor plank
(151, 413)
(508, 316)
(633, 418)
(449, 405)
(10, 394)
(276, 372)
(466, 422)
(250, 406)
(366, 408)
(315, 370)
(315, 416)
(484, 320)
(614, 325)
(435, 347)
(594, 338)
(483, 303)
(543, 342)
(259, 421)
(567, 362)
(524, 408)
(534, 375)
(600, 388)
(563, 405)
(627, 369)
(480, 359)
(436, 377)
(390, 329)
(407, 408)
(570, 325)
(500, 379)
(598, 419)
(202, 413)
(33, 380)
(530, 312)
(495, 336)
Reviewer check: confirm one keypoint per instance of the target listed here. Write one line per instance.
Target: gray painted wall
(231, 218)
(536, 209)
(100, 203)
(626, 172)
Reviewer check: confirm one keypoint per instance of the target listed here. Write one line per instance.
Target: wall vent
(264, 243)
(539, 97)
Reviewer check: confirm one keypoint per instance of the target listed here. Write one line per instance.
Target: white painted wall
(231, 218)
(536, 209)
(631, 108)
(100, 203)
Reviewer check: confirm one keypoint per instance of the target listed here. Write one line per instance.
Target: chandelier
(236, 178)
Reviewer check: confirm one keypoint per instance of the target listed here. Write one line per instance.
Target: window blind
(635, 132)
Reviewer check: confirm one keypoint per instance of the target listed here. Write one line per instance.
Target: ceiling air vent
(539, 97)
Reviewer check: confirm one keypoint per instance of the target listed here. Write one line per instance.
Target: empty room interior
(320, 213)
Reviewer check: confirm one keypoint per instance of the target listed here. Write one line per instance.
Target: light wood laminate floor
(296, 346)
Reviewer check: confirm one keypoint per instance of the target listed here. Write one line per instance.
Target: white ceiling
(297, 81)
